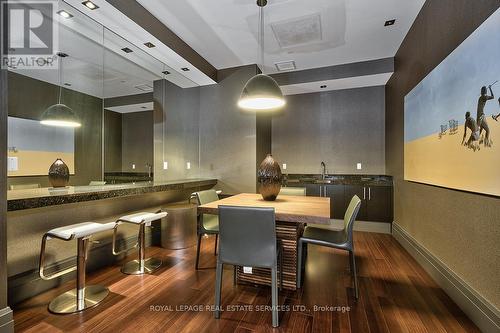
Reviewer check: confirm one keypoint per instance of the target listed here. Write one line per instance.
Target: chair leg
(274, 286)
(218, 288)
(299, 263)
(281, 268)
(353, 271)
(216, 240)
(198, 245)
(235, 274)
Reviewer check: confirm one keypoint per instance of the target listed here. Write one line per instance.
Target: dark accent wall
(28, 98)
(341, 128)
(137, 141)
(460, 229)
(112, 141)
(128, 140)
(204, 124)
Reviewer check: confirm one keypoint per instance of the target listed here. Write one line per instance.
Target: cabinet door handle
(364, 193)
(326, 191)
(320, 193)
(369, 193)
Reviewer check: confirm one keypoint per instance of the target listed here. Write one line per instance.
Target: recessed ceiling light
(144, 107)
(323, 86)
(67, 84)
(389, 22)
(62, 54)
(127, 50)
(185, 69)
(166, 72)
(90, 5)
(64, 14)
(149, 44)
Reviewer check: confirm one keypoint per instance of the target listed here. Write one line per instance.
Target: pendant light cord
(60, 78)
(261, 37)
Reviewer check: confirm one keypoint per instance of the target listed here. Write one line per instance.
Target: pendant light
(59, 114)
(261, 92)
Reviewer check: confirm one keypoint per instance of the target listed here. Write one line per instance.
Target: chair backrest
(24, 186)
(350, 216)
(299, 191)
(97, 183)
(247, 236)
(206, 196)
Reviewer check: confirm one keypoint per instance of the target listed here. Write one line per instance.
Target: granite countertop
(363, 180)
(41, 197)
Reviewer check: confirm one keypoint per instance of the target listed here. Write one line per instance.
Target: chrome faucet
(323, 171)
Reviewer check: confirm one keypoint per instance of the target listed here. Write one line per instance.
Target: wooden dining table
(292, 213)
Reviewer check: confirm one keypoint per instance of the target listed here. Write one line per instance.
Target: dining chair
(338, 239)
(208, 224)
(299, 191)
(248, 238)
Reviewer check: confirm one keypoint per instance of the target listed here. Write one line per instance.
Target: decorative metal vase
(269, 178)
(59, 174)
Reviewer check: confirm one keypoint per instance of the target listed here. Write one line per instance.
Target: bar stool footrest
(133, 267)
(66, 303)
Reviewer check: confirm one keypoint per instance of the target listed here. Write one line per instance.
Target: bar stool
(141, 265)
(83, 296)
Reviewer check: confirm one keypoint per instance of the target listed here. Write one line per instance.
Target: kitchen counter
(42, 197)
(363, 180)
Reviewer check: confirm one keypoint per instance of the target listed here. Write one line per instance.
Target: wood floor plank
(396, 295)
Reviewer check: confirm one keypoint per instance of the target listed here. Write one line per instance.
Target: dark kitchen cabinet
(336, 193)
(360, 191)
(379, 203)
(376, 201)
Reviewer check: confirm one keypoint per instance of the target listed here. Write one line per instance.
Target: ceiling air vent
(298, 31)
(285, 66)
(144, 87)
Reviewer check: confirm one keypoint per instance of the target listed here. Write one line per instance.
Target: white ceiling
(313, 33)
(337, 84)
(132, 108)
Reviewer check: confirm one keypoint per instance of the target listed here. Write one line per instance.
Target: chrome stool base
(66, 303)
(134, 268)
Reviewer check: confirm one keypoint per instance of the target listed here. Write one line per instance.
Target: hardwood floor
(396, 295)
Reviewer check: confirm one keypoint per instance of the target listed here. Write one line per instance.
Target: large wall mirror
(108, 84)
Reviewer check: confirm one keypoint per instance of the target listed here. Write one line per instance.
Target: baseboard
(6, 321)
(366, 226)
(28, 284)
(484, 314)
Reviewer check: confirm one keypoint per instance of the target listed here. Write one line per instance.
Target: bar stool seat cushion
(211, 222)
(145, 217)
(80, 230)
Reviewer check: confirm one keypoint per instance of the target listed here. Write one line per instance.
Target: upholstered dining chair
(248, 238)
(339, 239)
(208, 224)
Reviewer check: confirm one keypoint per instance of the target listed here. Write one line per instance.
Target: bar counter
(43, 197)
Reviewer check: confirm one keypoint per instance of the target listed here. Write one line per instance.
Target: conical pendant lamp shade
(261, 92)
(59, 115)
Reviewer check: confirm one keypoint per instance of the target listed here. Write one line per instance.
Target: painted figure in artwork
(498, 115)
(471, 124)
(481, 118)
